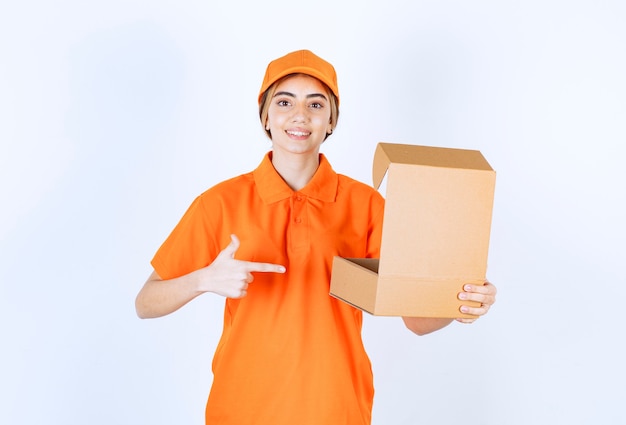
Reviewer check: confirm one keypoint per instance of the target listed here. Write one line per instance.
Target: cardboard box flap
(387, 153)
(438, 211)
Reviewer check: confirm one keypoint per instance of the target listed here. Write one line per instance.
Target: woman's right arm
(160, 297)
(225, 276)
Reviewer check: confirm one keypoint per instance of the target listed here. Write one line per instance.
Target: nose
(300, 113)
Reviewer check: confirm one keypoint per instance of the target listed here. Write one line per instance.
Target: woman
(289, 352)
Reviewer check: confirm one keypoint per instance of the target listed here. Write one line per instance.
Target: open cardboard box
(435, 236)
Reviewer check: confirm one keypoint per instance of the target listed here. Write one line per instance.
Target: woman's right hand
(230, 277)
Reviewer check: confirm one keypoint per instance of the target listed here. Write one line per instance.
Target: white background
(115, 114)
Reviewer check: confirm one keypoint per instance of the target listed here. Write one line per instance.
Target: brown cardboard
(436, 230)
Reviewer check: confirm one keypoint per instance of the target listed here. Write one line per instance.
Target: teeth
(298, 133)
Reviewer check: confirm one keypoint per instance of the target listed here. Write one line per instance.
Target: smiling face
(299, 115)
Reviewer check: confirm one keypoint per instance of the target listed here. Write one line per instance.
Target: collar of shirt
(272, 188)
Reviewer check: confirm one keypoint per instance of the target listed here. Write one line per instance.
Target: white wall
(114, 115)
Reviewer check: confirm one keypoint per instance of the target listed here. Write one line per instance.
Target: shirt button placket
(300, 230)
(298, 208)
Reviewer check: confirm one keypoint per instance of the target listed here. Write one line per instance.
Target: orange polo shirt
(289, 352)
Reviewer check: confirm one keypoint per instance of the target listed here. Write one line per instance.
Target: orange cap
(300, 62)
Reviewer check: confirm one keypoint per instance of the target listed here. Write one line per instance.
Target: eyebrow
(308, 96)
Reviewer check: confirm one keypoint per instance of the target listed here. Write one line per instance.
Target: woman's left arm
(483, 294)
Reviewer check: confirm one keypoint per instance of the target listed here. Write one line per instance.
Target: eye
(316, 105)
(283, 102)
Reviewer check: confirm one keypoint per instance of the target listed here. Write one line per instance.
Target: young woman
(289, 353)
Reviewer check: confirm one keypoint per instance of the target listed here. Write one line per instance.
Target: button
(298, 220)
(298, 198)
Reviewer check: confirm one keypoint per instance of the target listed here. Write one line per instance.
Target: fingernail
(468, 287)
(464, 309)
(462, 296)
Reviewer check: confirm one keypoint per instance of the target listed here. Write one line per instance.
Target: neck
(296, 170)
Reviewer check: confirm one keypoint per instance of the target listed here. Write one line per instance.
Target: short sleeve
(190, 246)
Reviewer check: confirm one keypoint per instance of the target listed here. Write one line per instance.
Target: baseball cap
(300, 62)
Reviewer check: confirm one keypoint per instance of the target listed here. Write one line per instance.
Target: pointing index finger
(252, 266)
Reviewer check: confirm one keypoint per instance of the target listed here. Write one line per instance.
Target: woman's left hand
(483, 294)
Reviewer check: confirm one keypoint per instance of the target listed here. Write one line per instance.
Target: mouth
(298, 133)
